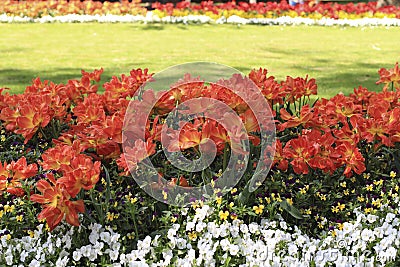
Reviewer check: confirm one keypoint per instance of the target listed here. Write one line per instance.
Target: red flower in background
(269, 87)
(132, 156)
(293, 121)
(300, 151)
(81, 173)
(127, 86)
(391, 76)
(351, 158)
(11, 175)
(279, 159)
(57, 203)
(90, 110)
(181, 181)
(61, 155)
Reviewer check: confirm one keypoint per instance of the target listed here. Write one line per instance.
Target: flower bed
(75, 180)
(269, 13)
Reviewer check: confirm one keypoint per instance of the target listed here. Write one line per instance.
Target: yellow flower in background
(369, 187)
(377, 203)
(335, 209)
(131, 235)
(334, 233)
(111, 216)
(223, 215)
(165, 195)
(192, 235)
(258, 209)
(31, 233)
(218, 200)
(304, 189)
(368, 210)
(195, 205)
(19, 218)
(367, 175)
(392, 174)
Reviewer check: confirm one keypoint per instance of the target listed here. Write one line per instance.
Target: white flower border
(202, 19)
(368, 241)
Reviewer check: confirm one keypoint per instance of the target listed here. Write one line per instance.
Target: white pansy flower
(34, 263)
(9, 259)
(190, 226)
(253, 228)
(233, 249)
(224, 243)
(76, 255)
(372, 218)
(292, 249)
(105, 236)
(200, 226)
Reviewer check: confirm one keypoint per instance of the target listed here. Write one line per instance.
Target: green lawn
(339, 58)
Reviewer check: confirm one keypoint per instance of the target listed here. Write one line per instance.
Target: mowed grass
(340, 58)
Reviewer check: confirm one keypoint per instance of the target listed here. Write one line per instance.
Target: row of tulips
(53, 8)
(73, 156)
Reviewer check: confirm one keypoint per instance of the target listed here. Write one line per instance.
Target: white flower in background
(9, 259)
(200, 226)
(224, 229)
(201, 213)
(62, 262)
(154, 242)
(292, 249)
(213, 229)
(144, 244)
(390, 217)
(77, 255)
(224, 243)
(244, 228)
(190, 226)
(367, 235)
(253, 228)
(256, 244)
(34, 263)
(105, 236)
(371, 218)
(233, 249)
(181, 243)
(23, 255)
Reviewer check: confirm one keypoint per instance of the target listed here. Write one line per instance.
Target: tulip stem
(225, 160)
